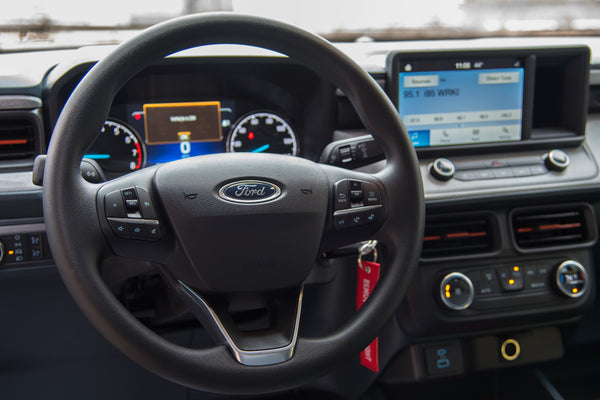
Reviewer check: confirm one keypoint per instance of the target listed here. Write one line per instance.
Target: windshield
(30, 24)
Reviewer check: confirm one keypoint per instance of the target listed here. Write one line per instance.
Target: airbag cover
(247, 222)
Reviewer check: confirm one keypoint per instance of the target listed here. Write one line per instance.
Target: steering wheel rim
(71, 217)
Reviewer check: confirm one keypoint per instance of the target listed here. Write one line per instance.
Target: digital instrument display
(178, 130)
(461, 101)
(178, 122)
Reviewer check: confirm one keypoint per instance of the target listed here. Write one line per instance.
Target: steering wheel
(286, 209)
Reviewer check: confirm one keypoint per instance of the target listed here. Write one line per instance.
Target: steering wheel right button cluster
(131, 214)
(356, 203)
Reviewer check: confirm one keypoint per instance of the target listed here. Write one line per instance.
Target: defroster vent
(458, 235)
(557, 226)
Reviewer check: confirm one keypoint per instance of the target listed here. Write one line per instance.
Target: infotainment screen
(458, 101)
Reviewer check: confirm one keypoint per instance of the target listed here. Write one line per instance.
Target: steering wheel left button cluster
(131, 214)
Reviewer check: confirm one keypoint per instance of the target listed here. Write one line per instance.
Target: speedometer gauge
(263, 132)
(118, 148)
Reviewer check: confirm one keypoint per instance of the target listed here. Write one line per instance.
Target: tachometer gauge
(263, 132)
(118, 148)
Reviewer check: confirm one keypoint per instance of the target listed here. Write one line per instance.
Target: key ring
(366, 249)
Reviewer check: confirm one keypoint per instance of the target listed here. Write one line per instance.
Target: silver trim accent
(224, 196)
(24, 228)
(442, 175)
(252, 357)
(19, 102)
(558, 163)
(353, 210)
(576, 265)
(445, 281)
(595, 77)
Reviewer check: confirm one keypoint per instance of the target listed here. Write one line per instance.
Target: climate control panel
(512, 284)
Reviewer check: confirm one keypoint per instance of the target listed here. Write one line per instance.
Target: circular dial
(571, 278)
(263, 132)
(118, 148)
(456, 291)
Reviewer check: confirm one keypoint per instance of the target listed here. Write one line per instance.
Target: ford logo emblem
(250, 191)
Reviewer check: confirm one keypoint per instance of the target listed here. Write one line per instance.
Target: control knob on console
(571, 278)
(2, 250)
(557, 160)
(456, 291)
(442, 169)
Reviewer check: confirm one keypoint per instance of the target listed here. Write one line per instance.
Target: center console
(507, 256)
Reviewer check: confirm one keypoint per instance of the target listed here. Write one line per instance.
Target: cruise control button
(113, 205)
(129, 194)
(131, 206)
(145, 203)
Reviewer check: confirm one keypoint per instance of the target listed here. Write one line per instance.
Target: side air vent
(17, 138)
(459, 236)
(553, 227)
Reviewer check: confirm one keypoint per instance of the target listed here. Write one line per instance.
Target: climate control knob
(571, 278)
(456, 291)
(2, 250)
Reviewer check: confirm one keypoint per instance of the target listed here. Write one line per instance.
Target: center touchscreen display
(457, 102)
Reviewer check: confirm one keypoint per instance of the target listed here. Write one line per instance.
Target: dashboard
(507, 136)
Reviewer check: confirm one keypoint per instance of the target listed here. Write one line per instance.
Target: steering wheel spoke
(272, 343)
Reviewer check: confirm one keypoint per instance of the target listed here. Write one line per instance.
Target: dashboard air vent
(552, 227)
(17, 138)
(457, 236)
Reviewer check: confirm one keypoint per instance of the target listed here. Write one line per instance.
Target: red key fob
(368, 276)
